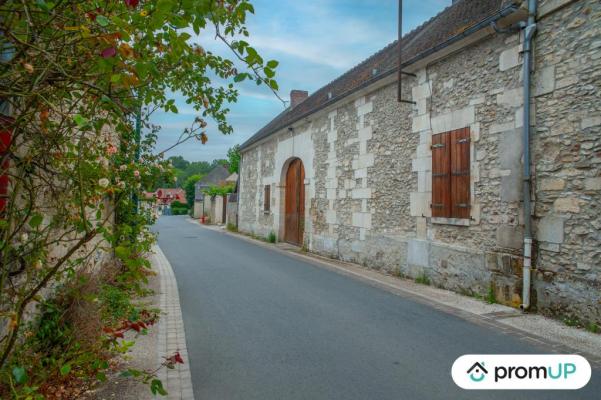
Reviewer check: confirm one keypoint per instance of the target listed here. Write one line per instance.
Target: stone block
(419, 204)
(423, 150)
(331, 216)
(362, 220)
(511, 186)
(510, 149)
(477, 100)
(510, 58)
(565, 82)
(361, 193)
(421, 227)
(552, 184)
(510, 236)
(424, 181)
(552, 247)
(365, 133)
(511, 97)
(365, 108)
(592, 183)
(421, 164)
(550, 229)
(454, 120)
(567, 204)
(544, 80)
(420, 123)
(361, 173)
(590, 122)
(503, 127)
(421, 91)
(418, 253)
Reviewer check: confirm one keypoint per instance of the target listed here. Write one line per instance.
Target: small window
(267, 198)
(451, 174)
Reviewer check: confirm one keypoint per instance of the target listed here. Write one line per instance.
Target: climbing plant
(79, 80)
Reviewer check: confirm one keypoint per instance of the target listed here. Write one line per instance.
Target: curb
(171, 336)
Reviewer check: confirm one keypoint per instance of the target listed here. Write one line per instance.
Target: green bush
(271, 238)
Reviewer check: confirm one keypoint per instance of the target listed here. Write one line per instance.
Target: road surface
(264, 325)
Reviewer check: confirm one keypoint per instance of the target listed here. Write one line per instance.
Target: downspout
(529, 32)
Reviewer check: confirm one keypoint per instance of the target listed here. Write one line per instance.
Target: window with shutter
(451, 174)
(267, 198)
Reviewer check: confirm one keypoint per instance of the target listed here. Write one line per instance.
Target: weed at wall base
(423, 279)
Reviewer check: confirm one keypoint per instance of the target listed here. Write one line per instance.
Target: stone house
(434, 185)
(216, 177)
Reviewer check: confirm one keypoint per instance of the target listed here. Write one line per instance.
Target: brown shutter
(267, 198)
(441, 179)
(460, 173)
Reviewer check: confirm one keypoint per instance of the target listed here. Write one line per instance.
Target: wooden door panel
(460, 173)
(441, 182)
(295, 203)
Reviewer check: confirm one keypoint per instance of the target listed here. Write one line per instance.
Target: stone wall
(368, 169)
(567, 160)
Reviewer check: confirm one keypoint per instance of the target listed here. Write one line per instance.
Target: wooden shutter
(460, 173)
(267, 198)
(441, 175)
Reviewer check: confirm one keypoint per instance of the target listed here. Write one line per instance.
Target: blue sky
(315, 41)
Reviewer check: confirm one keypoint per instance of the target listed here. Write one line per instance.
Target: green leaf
(65, 369)
(102, 20)
(80, 120)
(272, 64)
(36, 220)
(156, 386)
(273, 84)
(101, 376)
(240, 77)
(20, 375)
(115, 78)
(269, 72)
(142, 69)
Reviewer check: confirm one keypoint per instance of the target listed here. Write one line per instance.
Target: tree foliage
(73, 76)
(190, 187)
(233, 157)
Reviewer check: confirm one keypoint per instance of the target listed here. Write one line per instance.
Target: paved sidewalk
(171, 336)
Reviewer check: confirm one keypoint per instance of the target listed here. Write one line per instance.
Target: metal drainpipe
(529, 32)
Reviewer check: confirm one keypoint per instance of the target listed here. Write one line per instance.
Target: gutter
(529, 32)
(485, 23)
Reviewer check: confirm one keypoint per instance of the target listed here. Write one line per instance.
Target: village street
(264, 325)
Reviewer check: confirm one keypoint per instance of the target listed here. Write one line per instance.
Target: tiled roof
(452, 21)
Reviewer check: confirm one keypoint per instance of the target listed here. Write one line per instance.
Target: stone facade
(368, 164)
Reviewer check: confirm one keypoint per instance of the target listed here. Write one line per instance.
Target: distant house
(217, 176)
(164, 197)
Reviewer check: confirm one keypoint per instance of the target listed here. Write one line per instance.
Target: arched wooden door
(295, 203)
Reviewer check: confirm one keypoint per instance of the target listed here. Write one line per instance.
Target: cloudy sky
(315, 41)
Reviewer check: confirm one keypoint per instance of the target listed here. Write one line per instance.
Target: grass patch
(231, 227)
(423, 279)
(593, 328)
(490, 296)
(272, 238)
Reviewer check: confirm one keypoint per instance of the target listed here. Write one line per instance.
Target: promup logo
(477, 372)
(521, 371)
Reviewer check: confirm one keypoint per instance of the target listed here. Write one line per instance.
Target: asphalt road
(264, 325)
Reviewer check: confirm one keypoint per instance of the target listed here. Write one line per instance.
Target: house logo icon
(477, 372)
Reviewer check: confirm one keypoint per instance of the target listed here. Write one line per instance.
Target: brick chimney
(297, 97)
